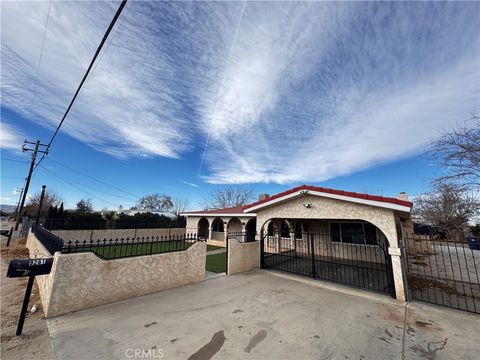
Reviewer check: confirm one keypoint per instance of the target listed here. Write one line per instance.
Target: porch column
(293, 243)
(225, 231)
(278, 223)
(210, 231)
(395, 254)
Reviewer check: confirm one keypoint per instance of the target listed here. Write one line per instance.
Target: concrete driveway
(265, 315)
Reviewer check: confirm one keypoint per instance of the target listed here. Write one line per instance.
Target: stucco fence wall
(82, 280)
(81, 235)
(325, 208)
(242, 257)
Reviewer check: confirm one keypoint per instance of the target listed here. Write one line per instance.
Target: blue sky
(189, 96)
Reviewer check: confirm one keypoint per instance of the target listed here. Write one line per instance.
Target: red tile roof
(231, 210)
(336, 192)
(240, 209)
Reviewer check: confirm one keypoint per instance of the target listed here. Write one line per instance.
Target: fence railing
(127, 247)
(51, 242)
(242, 236)
(443, 272)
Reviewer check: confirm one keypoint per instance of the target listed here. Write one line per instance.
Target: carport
(334, 235)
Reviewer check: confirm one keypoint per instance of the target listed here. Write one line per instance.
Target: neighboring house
(341, 225)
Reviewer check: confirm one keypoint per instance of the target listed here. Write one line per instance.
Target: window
(284, 230)
(335, 232)
(298, 230)
(353, 233)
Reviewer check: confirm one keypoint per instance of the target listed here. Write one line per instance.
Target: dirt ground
(34, 343)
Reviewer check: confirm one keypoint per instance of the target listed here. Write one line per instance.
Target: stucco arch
(325, 208)
(203, 227)
(218, 225)
(234, 225)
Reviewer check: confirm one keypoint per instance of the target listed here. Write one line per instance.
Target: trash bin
(473, 243)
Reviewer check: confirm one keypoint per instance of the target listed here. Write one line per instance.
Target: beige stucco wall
(81, 235)
(80, 281)
(44, 282)
(326, 208)
(243, 256)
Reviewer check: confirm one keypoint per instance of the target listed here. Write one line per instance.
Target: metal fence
(316, 255)
(242, 236)
(127, 247)
(443, 272)
(51, 242)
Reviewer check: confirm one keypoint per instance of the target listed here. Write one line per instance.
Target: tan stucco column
(395, 254)
(225, 231)
(209, 231)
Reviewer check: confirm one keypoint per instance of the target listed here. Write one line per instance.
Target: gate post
(262, 250)
(395, 254)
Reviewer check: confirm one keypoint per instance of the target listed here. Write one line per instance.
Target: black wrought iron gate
(315, 255)
(443, 272)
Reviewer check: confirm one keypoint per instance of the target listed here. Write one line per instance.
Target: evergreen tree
(50, 212)
(61, 212)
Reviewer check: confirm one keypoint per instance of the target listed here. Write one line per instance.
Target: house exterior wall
(82, 280)
(326, 208)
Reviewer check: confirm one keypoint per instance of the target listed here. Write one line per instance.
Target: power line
(13, 160)
(93, 178)
(77, 188)
(99, 48)
(35, 152)
(97, 190)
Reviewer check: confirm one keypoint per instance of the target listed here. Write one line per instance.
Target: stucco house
(350, 237)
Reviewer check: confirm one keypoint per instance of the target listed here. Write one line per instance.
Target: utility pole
(34, 151)
(19, 199)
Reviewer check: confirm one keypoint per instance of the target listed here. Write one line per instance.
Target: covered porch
(216, 226)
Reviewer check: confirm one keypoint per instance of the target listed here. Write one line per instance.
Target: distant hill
(8, 208)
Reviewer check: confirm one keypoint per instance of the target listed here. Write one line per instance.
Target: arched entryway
(202, 228)
(351, 252)
(250, 230)
(217, 230)
(234, 226)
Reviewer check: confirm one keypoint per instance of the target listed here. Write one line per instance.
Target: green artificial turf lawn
(213, 247)
(217, 263)
(123, 250)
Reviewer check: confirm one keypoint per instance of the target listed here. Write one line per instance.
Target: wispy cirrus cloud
(10, 136)
(189, 183)
(308, 91)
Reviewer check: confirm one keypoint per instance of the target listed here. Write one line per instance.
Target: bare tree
(85, 205)
(459, 152)
(180, 205)
(51, 198)
(155, 202)
(448, 207)
(228, 196)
